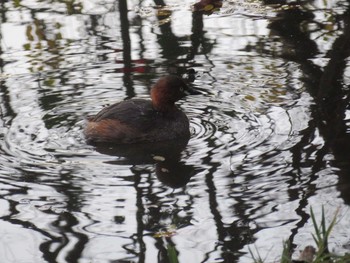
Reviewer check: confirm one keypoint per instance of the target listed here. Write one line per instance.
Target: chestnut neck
(163, 107)
(160, 99)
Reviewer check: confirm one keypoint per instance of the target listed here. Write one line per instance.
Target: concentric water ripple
(235, 138)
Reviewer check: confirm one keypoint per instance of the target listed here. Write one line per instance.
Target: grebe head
(167, 91)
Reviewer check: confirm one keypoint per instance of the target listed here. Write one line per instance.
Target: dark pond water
(270, 131)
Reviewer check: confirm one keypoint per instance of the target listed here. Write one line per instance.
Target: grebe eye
(182, 89)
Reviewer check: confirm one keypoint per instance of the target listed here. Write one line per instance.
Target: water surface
(270, 131)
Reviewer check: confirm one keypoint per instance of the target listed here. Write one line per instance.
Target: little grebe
(142, 121)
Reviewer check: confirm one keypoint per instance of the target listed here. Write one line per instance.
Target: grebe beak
(190, 91)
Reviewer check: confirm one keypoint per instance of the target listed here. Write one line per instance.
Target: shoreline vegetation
(310, 254)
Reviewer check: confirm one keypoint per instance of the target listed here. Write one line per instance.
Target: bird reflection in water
(166, 156)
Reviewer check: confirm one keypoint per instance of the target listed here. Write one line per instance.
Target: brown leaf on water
(163, 12)
(208, 7)
(167, 233)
